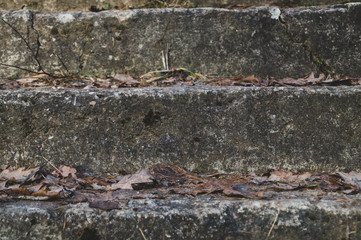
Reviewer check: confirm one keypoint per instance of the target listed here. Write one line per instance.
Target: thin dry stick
(34, 55)
(20, 68)
(157, 78)
(62, 62)
(53, 165)
(273, 224)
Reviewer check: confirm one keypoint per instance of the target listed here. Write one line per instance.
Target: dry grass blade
(139, 228)
(194, 74)
(157, 78)
(273, 224)
(53, 165)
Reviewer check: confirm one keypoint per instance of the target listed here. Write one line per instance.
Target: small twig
(157, 78)
(64, 224)
(53, 166)
(159, 71)
(62, 63)
(20, 68)
(273, 224)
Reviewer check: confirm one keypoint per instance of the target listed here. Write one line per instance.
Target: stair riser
(203, 129)
(212, 41)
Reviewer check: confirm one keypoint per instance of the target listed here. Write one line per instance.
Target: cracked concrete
(316, 61)
(212, 41)
(333, 42)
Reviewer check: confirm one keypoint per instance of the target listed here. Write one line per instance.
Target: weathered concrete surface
(84, 5)
(259, 41)
(202, 128)
(199, 218)
(66, 5)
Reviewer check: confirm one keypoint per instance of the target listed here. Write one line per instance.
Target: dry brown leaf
(286, 186)
(142, 176)
(49, 191)
(353, 178)
(251, 79)
(300, 178)
(125, 80)
(312, 79)
(35, 188)
(31, 79)
(287, 177)
(3, 185)
(292, 82)
(51, 180)
(27, 80)
(216, 185)
(173, 174)
(19, 174)
(65, 171)
(279, 175)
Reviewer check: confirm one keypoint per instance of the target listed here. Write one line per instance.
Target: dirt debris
(163, 181)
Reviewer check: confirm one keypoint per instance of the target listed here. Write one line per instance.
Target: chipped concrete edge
(201, 218)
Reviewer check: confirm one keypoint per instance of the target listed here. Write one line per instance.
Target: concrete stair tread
(187, 218)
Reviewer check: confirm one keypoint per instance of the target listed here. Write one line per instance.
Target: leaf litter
(164, 78)
(163, 181)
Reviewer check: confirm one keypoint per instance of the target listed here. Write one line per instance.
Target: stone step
(186, 218)
(265, 41)
(85, 5)
(205, 129)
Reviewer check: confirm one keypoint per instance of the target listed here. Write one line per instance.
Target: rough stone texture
(329, 39)
(203, 129)
(212, 41)
(84, 5)
(67, 5)
(201, 218)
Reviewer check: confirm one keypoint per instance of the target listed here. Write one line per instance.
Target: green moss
(107, 6)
